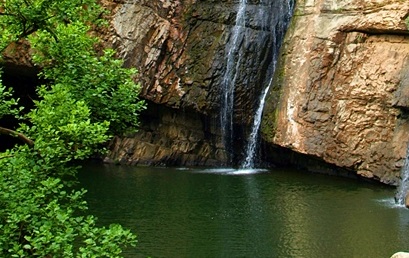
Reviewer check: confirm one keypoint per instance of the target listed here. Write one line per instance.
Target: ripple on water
(231, 171)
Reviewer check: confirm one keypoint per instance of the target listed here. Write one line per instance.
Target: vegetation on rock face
(87, 98)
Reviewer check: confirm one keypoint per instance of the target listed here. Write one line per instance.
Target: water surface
(246, 213)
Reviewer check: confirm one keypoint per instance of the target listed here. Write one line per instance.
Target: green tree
(88, 97)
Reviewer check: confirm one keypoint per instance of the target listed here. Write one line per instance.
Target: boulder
(400, 255)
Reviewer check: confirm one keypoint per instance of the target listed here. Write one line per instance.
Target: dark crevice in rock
(24, 81)
(379, 32)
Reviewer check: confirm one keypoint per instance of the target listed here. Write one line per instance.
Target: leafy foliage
(100, 81)
(89, 97)
(20, 18)
(7, 103)
(61, 127)
(39, 217)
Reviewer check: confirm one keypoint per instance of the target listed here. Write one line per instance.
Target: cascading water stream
(251, 54)
(229, 78)
(278, 32)
(404, 183)
(253, 137)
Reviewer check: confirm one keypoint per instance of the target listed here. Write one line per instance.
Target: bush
(88, 97)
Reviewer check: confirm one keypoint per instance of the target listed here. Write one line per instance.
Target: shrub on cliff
(87, 97)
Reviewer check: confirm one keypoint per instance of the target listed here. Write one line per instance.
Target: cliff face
(341, 93)
(180, 48)
(174, 45)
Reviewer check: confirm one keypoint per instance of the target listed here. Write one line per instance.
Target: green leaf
(87, 98)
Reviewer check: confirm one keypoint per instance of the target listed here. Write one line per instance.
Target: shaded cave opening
(24, 81)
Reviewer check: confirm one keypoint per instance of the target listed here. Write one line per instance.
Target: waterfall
(285, 13)
(404, 183)
(250, 152)
(229, 78)
(251, 56)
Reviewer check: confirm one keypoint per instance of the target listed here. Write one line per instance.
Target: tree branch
(21, 136)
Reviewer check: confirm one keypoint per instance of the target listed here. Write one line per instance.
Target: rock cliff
(180, 50)
(174, 45)
(341, 93)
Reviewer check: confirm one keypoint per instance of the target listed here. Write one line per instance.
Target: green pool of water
(250, 213)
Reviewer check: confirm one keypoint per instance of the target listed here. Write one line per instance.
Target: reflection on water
(246, 213)
(228, 171)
